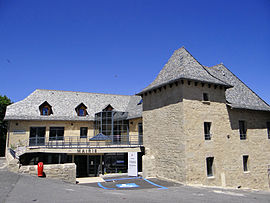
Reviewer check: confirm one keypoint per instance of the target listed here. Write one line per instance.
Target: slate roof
(182, 65)
(100, 137)
(240, 95)
(64, 103)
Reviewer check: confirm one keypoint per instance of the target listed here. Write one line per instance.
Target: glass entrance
(37, 136)
(95, 165)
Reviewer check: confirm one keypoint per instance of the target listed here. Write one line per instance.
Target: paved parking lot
(132, 183)
(25, 188)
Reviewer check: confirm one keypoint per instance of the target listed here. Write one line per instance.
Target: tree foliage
(4, 102)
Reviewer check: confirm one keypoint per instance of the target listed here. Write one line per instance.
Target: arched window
(45, 109)
(81, 110)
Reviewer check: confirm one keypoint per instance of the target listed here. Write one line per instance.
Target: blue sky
(119, 47)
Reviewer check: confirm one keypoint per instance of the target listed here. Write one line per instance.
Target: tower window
(209, 165)
(207, 134)
(205, 97)
(242, 130)
(245, 162)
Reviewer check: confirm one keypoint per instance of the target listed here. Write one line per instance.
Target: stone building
(94, 131)
(203, 125)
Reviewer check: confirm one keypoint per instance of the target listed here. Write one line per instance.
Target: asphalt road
(25, 188)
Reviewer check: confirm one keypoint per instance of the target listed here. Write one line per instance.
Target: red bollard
(40, 169)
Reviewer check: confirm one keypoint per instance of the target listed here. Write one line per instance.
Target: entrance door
(81, 163)
(37, 136)
(94, 165)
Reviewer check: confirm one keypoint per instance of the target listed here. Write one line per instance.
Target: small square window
(245, 162)
(242, 130)
(81, 112)
(205, 97)
(209, 165)
(45, 111)
(207, 127)
(83, 132)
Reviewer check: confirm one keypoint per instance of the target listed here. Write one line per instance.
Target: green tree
(4, 102)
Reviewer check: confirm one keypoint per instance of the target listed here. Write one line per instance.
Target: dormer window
(81, 110)
(45, 109)
(108, 108)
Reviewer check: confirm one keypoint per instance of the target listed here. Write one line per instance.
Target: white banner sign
(132, 164)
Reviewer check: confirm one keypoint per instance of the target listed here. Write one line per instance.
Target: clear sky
(119, 47)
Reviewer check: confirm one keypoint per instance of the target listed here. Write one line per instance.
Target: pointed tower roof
(182, 65)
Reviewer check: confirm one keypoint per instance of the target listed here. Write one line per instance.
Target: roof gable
(182, 65)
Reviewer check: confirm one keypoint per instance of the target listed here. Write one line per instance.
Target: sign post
(132, 164)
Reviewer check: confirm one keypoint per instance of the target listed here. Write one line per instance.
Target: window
(111, 123)
(140, 129)
(242, 130)
(245, 162)
(37, 136)
(268, 129)
(209, 165)
(205, 97)
(83, 132)
(45, 109)
(56, 133)
(207, 126)
(81, 110)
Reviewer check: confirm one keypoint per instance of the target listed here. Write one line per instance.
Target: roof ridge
(217, 65)
(244, 84)
(84, 92)
(206, 69)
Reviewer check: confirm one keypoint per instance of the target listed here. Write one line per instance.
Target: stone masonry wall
(64, 172)
(163, 135)
(173, 120)
(225, 145)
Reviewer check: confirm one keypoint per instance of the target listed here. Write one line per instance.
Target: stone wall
(163, 135)
(64, 172)
(225, 145)
(176, 149)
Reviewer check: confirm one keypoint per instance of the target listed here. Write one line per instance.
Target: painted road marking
(160, 187)
(127, 185)
(105, 188)
(228, 193)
